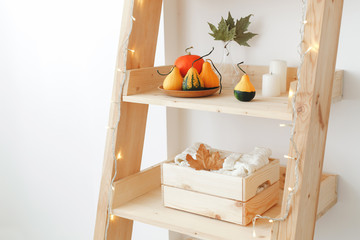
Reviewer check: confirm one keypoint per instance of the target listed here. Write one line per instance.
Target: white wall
(57, 62)
(277, 23)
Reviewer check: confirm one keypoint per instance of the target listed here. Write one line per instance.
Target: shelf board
(271, 107)
(145, 205)
(141, 86)
(149, 209)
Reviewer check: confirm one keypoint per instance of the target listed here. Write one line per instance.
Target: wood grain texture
(135, 185)
(268, 174)
(131, 128)
(313, 107)
(261, 202)
(149, 209)
(231, 187)
(147, 79)
(142, 87)
(270, 107)
(218, 207)
(337, 91)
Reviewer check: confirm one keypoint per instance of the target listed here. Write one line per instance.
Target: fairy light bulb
(308, 50)
(134, 19)
(291, 93)
(112, 217)
(288, 157)
(271, 221)
(290, 189)
(131, 50)
(285, 125)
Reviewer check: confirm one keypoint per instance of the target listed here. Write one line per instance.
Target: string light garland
(117, 157)
(292, 190)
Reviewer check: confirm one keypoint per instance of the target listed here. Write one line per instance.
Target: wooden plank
(255, 73)
(203, 204)
(337, 91)
(236, 188)
(268, 174)
(147, 79)
(142, 88)
(221, 208)
(144, 80)
(261, 202)
(327, 195)
(198, 181)
(269, 107)
(131, 129)
(135, 185)
(149, 209)
(313, 107)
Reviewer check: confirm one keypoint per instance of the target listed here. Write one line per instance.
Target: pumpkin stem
(240, 67)
(186, 50)
(217, 72)
(165, 74)
(203, 56)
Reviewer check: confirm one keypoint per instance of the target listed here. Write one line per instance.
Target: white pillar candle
(279, 67)
(270, 85)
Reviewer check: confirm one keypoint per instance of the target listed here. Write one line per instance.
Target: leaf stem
(228, 52)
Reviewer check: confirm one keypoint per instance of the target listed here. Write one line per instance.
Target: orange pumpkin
(184, 63)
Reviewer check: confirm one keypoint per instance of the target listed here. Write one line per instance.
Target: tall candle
(279, 67)
(270, 85)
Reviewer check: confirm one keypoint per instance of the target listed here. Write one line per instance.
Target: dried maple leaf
(205, 160)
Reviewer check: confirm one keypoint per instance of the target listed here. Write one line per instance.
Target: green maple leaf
(241, 35)
(223, 31)
(230, 21)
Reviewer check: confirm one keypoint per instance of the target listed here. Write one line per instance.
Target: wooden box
(228, 198)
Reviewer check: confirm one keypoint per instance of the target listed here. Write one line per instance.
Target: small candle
(270, 85)
(279, 67)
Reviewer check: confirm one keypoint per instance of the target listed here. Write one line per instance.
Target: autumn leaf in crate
(205, 160)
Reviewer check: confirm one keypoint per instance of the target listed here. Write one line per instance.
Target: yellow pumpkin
(209, 77)
(244, 91)
(174, 80)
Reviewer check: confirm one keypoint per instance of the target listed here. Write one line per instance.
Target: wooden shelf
(142, 87)
(275, 108)
(137, 196)
(143, 202)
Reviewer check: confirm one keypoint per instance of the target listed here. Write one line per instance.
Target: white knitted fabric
(235, 164)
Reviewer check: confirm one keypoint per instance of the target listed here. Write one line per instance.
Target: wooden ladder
(312, 104)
